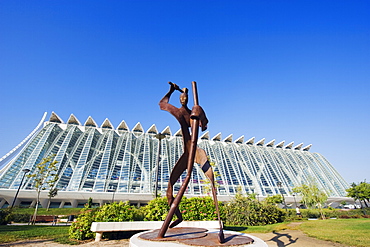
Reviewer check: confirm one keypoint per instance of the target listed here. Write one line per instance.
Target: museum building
(113, 164)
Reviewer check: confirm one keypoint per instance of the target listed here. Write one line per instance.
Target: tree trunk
(36, 208)
(321, 212)
(47, 208)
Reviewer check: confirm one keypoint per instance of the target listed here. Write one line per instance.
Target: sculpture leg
(177, 212)
(190, 164)
(201, 158)
(178, 169)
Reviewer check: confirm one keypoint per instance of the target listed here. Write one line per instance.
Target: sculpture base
(210, 238)
(177, 233)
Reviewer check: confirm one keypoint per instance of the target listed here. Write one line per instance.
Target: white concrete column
(98, 236)
(2, 202)
(44, 203)
(33, 203)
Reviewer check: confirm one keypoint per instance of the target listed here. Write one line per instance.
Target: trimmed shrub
(4, 216)
(117, 212)
(250, 212)
(156, 210)
(114, 212)
(195, 208)
(80, 229)
(19, 218)
(199, 208)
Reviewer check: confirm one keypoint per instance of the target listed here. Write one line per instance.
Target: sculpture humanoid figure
(188, 119)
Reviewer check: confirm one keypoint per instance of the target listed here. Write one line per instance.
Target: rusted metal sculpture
(193, 119)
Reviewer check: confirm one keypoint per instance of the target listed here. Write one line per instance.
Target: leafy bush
(156, 210)
(80, 229)
(249, 212)
(117, 212)
(199, 208)
(196, 208)
(19, 218)
(329, 213)
(4, 216)
(114, 212)
(273, 199)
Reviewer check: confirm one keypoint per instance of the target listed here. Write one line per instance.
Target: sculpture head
(184, 97)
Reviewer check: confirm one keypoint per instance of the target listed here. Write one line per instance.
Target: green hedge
(245, 211)
(4, 216)
(241, 211)
(114, 212)
(196, 208)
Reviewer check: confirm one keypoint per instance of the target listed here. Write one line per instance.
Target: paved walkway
(293, 238)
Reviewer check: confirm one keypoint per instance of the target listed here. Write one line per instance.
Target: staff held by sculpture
(193, 119)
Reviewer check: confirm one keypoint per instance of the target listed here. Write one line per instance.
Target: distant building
(107, 163)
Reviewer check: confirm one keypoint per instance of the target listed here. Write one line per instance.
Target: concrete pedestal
(136, 241)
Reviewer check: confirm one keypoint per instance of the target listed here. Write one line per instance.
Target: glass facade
(105, 159)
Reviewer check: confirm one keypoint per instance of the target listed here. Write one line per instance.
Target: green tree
(274, 200)
(44, 176)
(312, 196)
(360, 192)
(245, 211)
(89, 203)
(52, 192)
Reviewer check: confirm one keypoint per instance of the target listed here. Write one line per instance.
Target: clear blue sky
(286, 70)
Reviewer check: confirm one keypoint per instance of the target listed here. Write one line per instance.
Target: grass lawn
(351, 232)
(10, 233)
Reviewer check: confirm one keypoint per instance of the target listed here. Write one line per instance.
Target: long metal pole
(20, 185)
(159, 136)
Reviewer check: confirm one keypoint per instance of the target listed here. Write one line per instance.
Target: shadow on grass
(236, 228)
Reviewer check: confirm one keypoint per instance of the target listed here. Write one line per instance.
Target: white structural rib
(299, 146)
(205, 136)
(90, 122)
(289, 146)
(306, 148)
(55, 118)
(280, 144)
(123, 126)
(106, 124)
(25, 140)
(240, 140)
(73, 120)
(250, 141)
(261, 142)
(138, 128)
(270, 143)
(217, 137)
(178, 133)
(152, 130)
(167, 131)
(229, 138)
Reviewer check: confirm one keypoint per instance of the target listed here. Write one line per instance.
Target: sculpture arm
(198, 113)
(163, 103)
